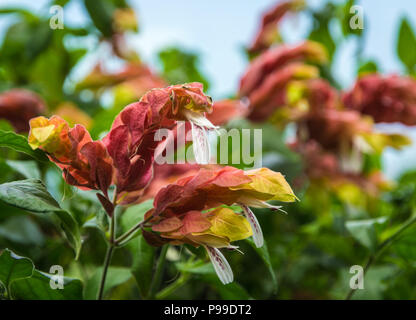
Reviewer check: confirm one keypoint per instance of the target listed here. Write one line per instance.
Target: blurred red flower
(268, 32)
(18, 106)
(386, 99)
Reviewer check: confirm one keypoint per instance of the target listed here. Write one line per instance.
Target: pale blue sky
(218, 29)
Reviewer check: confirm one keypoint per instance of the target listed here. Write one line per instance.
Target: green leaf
(103, 120)
(19, 143)
(231, 291)
(181, 67)
(263, 252)
(38, 288)
(207, 274)
(25, 13)
(367, 67)
(101, 13)
(405, 246)
(135, 214)
(198, 267)
(365, 231)
(14, 267)
(345, 17)
(5, 125)
(31, 195)
(115, 277)
(199, 252)
(406, 45)
(143, 262)
(21, 229)
(29, 169)
(61, 3)
(50, 69)
(321, 28)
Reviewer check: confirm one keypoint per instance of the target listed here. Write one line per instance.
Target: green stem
(107, 261)
(154, 286)
(108, 255)
(373, 257)
(166, 292)
(125, 237)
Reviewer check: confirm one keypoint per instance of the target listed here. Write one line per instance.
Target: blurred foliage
(181, 67)
(406, 45)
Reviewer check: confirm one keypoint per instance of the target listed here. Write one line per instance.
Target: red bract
(320, 95)
(18, 106)
(334, 129)
(206, 188)
(129, 147)
(166, 174)
(325, 169)
(84, 163)
(318, 163)
(268, 30)
(303, 98)
(386, 99)
(346, 134)
(272, 93)
(273, 59)
(136, 77)
(228, 185)
(131, 141)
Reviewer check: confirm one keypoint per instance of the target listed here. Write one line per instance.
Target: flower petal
(255, 203)
(221, 265)
(198, 119)
(255, 226)
(200, 144)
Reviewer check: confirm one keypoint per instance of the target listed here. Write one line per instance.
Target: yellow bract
(49, 134)
(378, 141)
(316, 52)
(267, 185)
(225, 222)
(210, 240)
(227, 226)
(42, 134)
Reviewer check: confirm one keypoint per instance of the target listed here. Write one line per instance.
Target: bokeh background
(217, 32)
(83, 73)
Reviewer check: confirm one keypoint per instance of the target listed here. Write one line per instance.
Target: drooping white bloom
(221, 265)
(255, 226)
(199, 125)
(200, 144)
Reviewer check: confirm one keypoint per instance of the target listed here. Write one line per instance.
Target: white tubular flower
(221, 265)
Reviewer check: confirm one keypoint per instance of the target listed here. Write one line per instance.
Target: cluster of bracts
(335, 129)
(189, 210)
(281, 85)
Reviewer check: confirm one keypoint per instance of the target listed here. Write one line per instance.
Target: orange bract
(85, 163)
